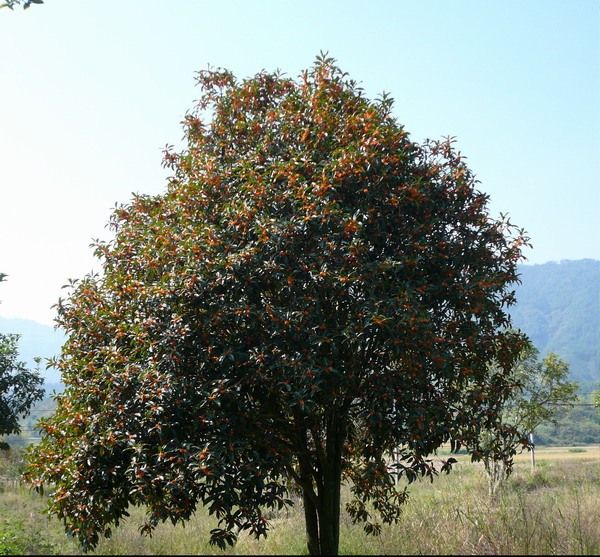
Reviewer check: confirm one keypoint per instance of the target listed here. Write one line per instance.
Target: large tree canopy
(313, 291)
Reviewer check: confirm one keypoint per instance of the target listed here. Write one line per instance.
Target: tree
(313, 291)
(26, 3)
(596, 398)
(545, 394)
(19, 387)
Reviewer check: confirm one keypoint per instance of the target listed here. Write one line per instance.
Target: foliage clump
(313, 293)
(26, 3)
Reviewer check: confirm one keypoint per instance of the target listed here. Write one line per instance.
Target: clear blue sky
(92, 90)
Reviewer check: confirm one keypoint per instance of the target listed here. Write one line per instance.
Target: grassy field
(552, 454)
(546, 454)
(552, 510)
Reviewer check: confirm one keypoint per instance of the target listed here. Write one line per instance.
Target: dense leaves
(313, 292)
(26, 3)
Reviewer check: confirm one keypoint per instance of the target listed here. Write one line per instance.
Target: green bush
(9, 545)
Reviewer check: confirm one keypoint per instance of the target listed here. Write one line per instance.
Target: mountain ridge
(558, 307)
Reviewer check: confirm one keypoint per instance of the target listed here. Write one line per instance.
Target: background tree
(19, 387)
(596, 398)
(545, 394)
(312, 292)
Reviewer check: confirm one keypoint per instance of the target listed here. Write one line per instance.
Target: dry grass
(552, 511)
(543, 453)
(552, 454)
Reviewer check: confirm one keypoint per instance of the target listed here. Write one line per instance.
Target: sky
(91, 91)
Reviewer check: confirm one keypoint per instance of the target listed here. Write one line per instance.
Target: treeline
(581, 426)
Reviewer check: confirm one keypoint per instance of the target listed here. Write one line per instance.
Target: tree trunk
(322, 509)
(323, 522)
(329, 500)
(311, 518)
(329, 516)
(496, 472)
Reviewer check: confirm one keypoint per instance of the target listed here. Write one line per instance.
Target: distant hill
(558, 307)
(36, 340)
